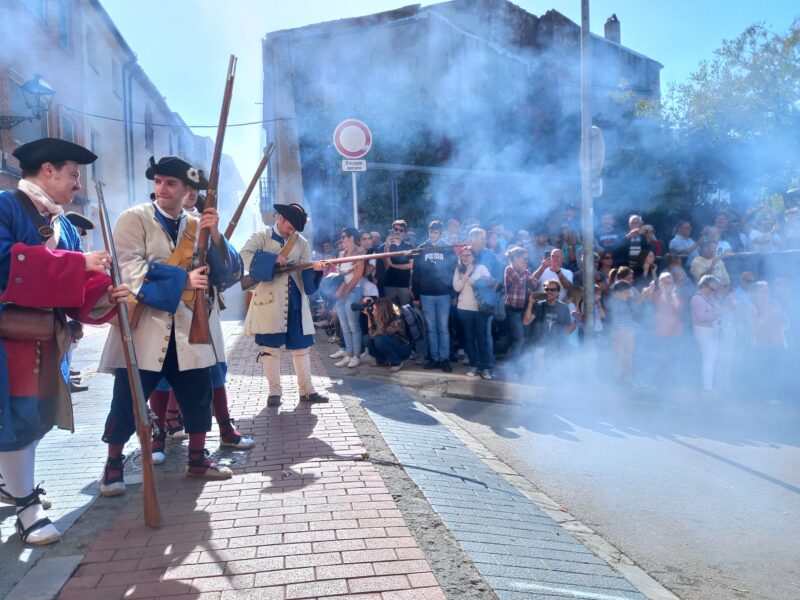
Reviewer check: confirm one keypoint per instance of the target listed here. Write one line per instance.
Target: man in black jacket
(432, 287)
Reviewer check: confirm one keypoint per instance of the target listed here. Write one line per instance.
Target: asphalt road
(704, 496)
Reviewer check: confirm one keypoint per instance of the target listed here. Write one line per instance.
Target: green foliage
(742, 110)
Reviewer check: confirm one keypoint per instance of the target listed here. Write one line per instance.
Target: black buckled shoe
(274, 400)
(41, 532)
(199, 466)
(174, 422)
(230, 437)
(113, 484)
(315, 398)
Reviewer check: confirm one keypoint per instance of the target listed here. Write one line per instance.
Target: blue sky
(184, 45)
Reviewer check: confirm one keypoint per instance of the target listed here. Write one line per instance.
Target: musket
(200, 332)
(152, 511)
(243, 202)
(345, 259)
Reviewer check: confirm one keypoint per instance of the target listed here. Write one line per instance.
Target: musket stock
(152, 510)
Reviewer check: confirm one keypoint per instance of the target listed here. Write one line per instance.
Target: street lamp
(38, 97)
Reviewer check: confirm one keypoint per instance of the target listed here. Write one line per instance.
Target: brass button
(38, 342)
(20, 257)
(18, 280)
(166, 338)
(36, 371)
(38, 361)
(38, 351)
(169, 327)
(161, 359)
(163, 349)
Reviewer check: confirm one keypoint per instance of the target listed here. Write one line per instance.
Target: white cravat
(46, 207)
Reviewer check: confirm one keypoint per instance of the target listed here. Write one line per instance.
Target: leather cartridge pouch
(27, 323)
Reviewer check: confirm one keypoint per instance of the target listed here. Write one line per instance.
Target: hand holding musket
(200, 332)
(152, 511)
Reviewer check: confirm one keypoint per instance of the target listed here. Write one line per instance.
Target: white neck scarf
(46, 207)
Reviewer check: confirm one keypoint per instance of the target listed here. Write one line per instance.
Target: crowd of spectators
(666, 311)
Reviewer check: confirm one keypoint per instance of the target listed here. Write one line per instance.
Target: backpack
(415, 328)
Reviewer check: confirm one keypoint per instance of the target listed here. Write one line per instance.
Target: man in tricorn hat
(163, 401)
(279, 314)
(155, 246)
(41, 265)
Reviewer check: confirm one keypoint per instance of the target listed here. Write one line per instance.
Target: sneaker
(353, 362)
(445, 366)
(341, 352)
(473, 372)
(487, 374)
(396, 368)
(343, 362)
(431, 364)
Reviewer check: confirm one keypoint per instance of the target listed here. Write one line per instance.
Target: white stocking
(271, 359)
(301, 359)
(18, 469)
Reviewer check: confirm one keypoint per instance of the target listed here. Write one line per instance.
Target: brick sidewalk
(303, 517)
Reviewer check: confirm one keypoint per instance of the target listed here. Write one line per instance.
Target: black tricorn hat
(174, 166)
(33, 154)
(79, 220)
(294, 213)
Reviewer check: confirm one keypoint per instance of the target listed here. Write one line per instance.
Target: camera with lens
(366, 305)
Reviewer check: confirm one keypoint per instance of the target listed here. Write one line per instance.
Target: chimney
(612, 29)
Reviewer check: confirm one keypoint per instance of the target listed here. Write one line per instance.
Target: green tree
(739, 113)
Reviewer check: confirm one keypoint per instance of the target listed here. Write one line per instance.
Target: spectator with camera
(519, 282)
(432, 289)
(388, 343)
(633, 244)
(348, 292)
(397, 276)
(552, 320)
(474, 322)
(709, 263)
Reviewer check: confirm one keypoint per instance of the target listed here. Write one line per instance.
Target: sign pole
(355, 201)
(587, 204)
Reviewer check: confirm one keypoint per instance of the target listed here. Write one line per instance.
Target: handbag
(27, 323)
(329, 285)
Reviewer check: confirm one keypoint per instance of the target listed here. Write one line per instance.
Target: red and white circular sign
(352, 138)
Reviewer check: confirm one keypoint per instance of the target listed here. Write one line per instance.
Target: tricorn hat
(294, 213)
(33, 154)
(173, 166)
(79, 220)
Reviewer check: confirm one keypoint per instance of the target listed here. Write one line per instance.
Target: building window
(149, 141)
(116, 77)
(67, 128)
(91, 51)
(95, 147)
(37, 7)
(27, 131)
(64, 24)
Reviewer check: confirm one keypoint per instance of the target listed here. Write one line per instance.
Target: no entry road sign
(352, 139)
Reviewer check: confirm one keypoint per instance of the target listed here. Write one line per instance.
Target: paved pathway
(303, 517)
(69, 465)
(521, 552)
